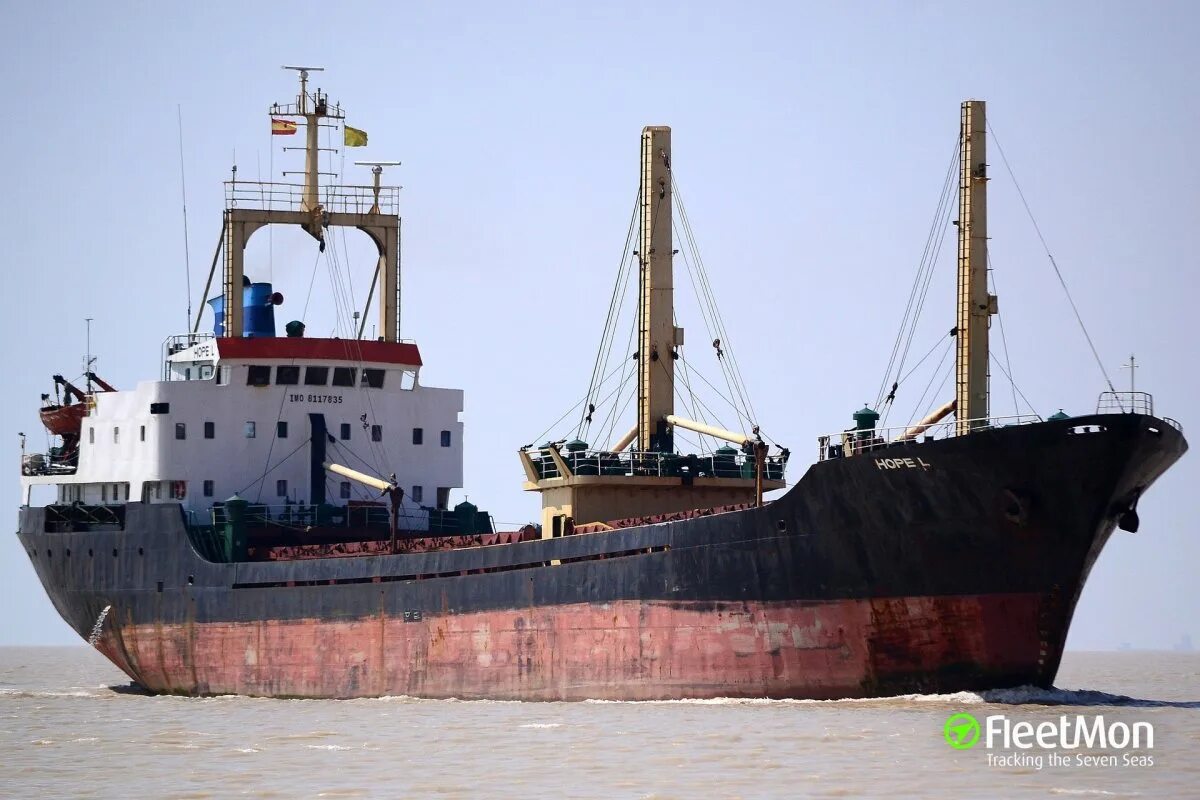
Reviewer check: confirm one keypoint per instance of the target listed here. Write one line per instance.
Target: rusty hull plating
(938, 567)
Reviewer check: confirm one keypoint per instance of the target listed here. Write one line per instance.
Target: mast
(975, 305)
(657, 336)
(312, 143)
(373, 210)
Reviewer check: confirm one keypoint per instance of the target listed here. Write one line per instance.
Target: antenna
(87, 358)
(187, 255)
(1131, 366)
(377, 171)
(302, 104)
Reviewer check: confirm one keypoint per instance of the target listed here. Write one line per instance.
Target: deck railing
(290, 197)
(48, 464)
(656, 465)
(856, 442)
(1125, 403)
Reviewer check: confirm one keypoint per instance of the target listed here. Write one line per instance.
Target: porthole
(141, 552)
(89, 552)
(68, 552)
(191, 580)
(114, 552)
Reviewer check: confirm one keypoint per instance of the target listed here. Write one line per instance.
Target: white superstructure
(239, 416)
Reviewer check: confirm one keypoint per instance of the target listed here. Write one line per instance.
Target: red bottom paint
(621, 651)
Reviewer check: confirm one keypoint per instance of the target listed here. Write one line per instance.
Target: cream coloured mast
(975, 305)
(658, 336)
(580, 485)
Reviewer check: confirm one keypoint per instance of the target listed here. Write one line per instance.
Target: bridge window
(208, 488)
(258, 375)
(250, 432)
(443, 497)
(180, 430)
(376, 433)
(210, 429)
(345, 490)
(316, 376)
(373, 378)
(408, 380)
(160, 408)
(345, 430)
(287, 375)
(116, 435)
(418, 494)
(445, 438)
(418, 435)
(281, 487)
(281, 429)
(343, 376)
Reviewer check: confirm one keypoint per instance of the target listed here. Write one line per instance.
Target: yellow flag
(353, 137)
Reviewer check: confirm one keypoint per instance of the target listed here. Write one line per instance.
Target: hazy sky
(810, 142)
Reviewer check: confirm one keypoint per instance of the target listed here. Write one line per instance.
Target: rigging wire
(717, 391)
(710, 327)
(926, 267)
(1003, 338)
(1053, 263)
(1032, 410)
(352, 350)
(611, 319)
(934, 397)
(710, 297)
(570, 410)
(932, 377)
(269, 470)
(917, 366)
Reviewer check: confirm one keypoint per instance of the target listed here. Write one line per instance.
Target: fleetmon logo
(961, 731)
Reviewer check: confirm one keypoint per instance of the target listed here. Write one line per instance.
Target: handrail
(654, 464)
(1125, 403)
(349, 199)
(854, 442)
(49, 464)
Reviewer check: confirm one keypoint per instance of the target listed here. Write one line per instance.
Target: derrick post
(656, 317)
(975, 304)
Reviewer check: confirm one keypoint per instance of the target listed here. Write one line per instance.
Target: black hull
(939, 566)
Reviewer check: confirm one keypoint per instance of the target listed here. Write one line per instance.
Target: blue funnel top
(258, 312)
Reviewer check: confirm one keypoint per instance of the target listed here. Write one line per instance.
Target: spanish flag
(353, 137)
(282, 127)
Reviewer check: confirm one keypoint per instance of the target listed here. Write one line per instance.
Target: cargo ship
(271, 515)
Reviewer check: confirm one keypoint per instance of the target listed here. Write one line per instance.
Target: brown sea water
(69, 728)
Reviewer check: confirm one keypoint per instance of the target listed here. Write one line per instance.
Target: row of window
(281, 432)
(177, 490)
(289, 375)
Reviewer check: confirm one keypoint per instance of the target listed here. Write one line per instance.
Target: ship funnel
(258, 311)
